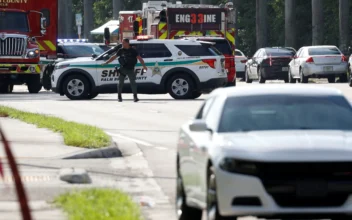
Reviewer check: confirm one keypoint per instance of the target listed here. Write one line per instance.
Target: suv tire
(181, 86)
(76, 87)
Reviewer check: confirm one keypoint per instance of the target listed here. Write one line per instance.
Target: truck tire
(76, 87)
(6, 88)
(180, 86)
(33, 84)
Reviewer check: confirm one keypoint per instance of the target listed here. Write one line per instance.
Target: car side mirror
(295, 57)
(94, 55)
(198, 126)
(60, 55)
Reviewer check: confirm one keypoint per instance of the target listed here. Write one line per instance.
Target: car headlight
(238, 166)
(62, 66)
(33, 54)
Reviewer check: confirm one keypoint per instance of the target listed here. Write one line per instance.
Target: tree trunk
(318, 22)
(117, 6)
(236, 3)
(343, 25)
(290, 23)
(261, 23)
(62, 20)
(88, 19)
(69, 19)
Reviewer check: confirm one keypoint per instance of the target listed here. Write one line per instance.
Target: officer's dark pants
(131, 76)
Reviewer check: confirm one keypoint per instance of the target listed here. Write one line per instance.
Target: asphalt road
(152, 123)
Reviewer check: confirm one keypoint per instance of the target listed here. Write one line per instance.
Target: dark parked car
(268, 64)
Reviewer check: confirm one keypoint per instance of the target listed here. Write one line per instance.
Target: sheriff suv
(183, 68)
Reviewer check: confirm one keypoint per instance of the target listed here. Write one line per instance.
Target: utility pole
(344, 7)
(317, 22)
(261, 23)
(117, 6)
(290, 23)
(88, 21)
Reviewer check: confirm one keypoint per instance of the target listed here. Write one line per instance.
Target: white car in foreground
(274, 152)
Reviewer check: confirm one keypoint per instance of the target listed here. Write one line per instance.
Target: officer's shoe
(119, 98)
(135, 98)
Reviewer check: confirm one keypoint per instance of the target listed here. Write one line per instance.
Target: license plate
(284, 68)
(312, 188)
(328, 68)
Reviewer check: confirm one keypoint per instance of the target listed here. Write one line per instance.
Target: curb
(128, 148)
(106, 152)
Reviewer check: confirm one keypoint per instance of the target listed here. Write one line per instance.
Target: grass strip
(74, 134)
(98, 204)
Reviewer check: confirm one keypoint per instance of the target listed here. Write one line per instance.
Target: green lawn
(74, 134)
(98, 204)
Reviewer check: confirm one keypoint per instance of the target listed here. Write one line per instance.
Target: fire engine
(129, 21)
(28, 31)
(165, 20)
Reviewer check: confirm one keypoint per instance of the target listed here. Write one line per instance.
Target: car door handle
(168, 60)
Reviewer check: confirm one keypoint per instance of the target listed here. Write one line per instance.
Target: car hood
(288, 145)
(80, 60)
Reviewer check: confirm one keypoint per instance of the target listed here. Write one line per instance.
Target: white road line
(130, 139)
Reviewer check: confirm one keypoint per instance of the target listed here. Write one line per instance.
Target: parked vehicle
(318, 62)
(268, 63)
(272, 152)
(240, 60)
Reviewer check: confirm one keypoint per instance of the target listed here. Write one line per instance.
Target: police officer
(128, 59)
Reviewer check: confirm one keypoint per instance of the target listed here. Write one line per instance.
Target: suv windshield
(222, 45)
(13, 21)
(283, 112)
(82, 50)
(323, 51)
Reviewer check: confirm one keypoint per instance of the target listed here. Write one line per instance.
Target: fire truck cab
(130, 24)
(213, 23)
(28, 30)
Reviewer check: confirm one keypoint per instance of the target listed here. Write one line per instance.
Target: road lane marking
(130, 139)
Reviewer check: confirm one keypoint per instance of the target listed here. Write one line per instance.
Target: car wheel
(260, 76)
(303, 79)
(92, 95)
(196, 94)
(212, 203)
(331, 79)
(183, 211)
(343, 78)
(349, 77)
(76, 87)
(181, 86)
(246, 76)
(290, 78)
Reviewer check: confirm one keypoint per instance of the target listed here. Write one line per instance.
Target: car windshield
(13, 21)
(323, 51)
(279, 52)
(286, 112)
(83, 50)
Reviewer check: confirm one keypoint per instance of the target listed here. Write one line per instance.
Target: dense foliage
(246, 40)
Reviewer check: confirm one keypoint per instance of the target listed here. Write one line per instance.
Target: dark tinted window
(46, 14)
(199, 50)
(275, 112)
(153, 50)
(323, 51)
(221, 45)
(279, 52)
(59, 50)
(13, 21)
(82, 50)
(237, 53)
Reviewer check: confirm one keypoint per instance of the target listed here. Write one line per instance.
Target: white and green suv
(183, 68)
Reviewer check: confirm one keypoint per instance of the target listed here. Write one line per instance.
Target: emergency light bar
(72, 40)
(145, 37)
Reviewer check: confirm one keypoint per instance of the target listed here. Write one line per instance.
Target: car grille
(307, 184)
(12, 46)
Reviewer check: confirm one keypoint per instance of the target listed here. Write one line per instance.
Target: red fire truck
(129, 20)
(213, 23)
(28, 31)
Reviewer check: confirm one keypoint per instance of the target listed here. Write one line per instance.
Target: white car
(273, 152)
(318, 62)
(183, 68)
(240, 60)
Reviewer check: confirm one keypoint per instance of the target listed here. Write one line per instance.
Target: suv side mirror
(198, 126)
(60, 55)
(94, 55)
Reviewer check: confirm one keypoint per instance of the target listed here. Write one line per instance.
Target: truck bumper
(20, 68)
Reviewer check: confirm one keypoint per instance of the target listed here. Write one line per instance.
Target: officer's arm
(111, 59)
(141, 61)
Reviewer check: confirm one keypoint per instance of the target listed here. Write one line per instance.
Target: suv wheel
(76, 87)
(181, 86)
